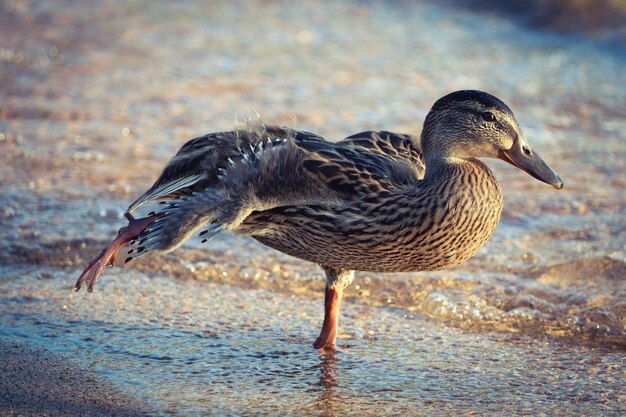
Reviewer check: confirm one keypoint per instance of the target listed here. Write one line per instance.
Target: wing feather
(168, 189)
(204, 161)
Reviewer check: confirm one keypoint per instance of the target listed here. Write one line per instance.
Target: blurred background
(96, 96)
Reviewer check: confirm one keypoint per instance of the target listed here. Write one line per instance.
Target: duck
(376, 201)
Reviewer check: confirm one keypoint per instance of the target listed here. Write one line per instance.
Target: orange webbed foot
(107, 256)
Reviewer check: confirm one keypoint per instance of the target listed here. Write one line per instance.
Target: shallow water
(95, 99)
(195, 347)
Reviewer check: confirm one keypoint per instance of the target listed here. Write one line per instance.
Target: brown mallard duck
(375, 201)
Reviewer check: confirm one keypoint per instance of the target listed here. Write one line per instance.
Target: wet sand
(36, 382)
(96, 97)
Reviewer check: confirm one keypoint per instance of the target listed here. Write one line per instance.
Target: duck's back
(395, 155)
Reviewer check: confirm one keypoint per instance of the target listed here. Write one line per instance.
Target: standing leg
(336, 281)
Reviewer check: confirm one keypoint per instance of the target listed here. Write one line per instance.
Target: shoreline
(37, 382)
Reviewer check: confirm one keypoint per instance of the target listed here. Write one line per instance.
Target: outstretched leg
(109, 253)
(336, 281)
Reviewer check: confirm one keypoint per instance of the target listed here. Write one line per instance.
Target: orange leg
(328, 335)
(92, 271)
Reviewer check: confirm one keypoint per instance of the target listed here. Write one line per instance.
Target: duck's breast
(437, 225)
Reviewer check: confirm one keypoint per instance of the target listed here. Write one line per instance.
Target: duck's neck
(451, 172)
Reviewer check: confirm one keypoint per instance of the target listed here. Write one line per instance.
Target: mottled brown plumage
(376, 201)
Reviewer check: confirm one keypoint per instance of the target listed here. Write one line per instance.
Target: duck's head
(472, 124)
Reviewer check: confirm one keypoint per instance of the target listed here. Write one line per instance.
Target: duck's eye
(488, 116)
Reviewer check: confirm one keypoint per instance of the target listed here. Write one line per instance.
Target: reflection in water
(329, 381)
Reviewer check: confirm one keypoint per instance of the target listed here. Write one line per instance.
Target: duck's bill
(523, 157)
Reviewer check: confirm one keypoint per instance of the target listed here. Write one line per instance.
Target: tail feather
(184, 216)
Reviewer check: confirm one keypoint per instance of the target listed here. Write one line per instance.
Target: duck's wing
(201, 162)
(351, 167)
